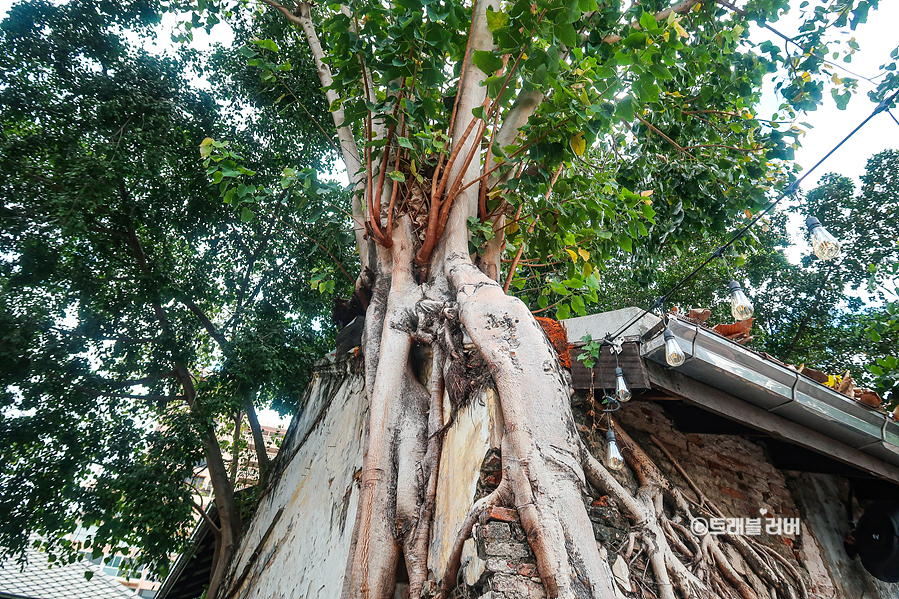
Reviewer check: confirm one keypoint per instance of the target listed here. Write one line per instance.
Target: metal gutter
(730, 367)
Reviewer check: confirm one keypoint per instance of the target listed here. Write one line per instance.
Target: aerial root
(682, 561)
(499, 496)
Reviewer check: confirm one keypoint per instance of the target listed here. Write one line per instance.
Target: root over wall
(297, 543)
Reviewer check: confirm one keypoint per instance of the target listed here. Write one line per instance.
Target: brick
(517, 587)
(729, 460)
(507, 550)
(733, 493)
(529, 570)
(501, 565)
(496, 531)
(503, 514)
(695, 440)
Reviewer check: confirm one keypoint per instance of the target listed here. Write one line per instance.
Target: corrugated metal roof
(37, 581)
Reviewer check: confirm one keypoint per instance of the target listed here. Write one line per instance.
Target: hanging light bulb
(674, 355)
(824, 244)
(622, 393)
(614, 459)
(740, 306)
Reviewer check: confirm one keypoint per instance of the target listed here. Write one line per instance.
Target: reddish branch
(438, 206)
(665, 137)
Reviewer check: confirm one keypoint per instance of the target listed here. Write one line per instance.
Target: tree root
(541, 445)
(705, 568)
(499, 496)
(545, 463)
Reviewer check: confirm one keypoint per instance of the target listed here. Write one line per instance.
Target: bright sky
(876, 38)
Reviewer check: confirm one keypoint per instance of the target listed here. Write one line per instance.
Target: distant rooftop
(37, 581)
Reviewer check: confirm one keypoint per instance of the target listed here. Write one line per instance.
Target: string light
(825, 245)
(674, 355)
(614, 459)
(790, 190)
(622, 393)
(740, 306)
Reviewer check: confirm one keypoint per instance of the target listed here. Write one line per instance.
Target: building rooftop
(723, 378)
(39, 581)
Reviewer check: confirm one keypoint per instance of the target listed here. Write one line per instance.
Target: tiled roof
(37, 581)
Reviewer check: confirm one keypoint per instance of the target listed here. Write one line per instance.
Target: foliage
(882, 330)
(823, 314)
(120, 264)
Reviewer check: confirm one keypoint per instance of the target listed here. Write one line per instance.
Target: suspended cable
(892, 117)
(792, 40)
(790, 190)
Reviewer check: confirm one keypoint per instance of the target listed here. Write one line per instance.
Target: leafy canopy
(121, 264)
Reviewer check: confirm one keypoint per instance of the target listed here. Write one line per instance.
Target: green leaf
(566, 34)
(661, 72)
(635, 40)
(398, 176)
(246, 215)
(478, 112)
(404, 142)
(648, 21)
(268, 45)
(577, 304)
(487, 61)
(626, 243)
(495, 20)
(563, 311)
(625, 109)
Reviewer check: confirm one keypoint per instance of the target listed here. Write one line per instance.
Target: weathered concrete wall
(298, 541)
(477, 429)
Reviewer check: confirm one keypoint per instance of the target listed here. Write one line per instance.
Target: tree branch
(679, 8)
(216, 531)
(258, 440)
(207, 324)
(530, 230)
(665, 137)
(348, 147)
(235, 442)
(117, 395)
(134, 382)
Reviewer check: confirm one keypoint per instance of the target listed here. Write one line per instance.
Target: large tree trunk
(545, 464)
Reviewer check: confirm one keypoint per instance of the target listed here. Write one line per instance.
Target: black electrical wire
(790, 190)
